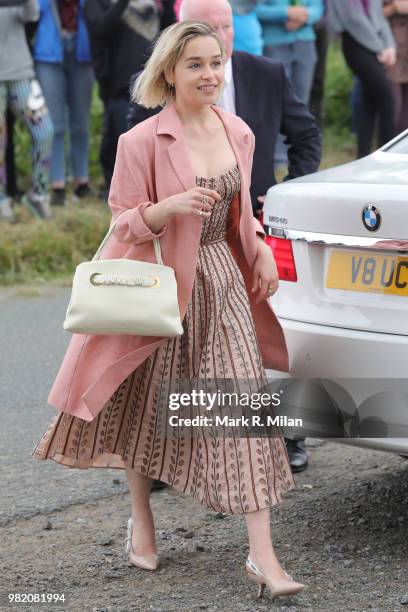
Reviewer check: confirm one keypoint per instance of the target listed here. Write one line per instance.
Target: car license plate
(368, 272)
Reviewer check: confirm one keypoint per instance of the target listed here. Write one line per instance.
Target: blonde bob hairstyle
(152, 87)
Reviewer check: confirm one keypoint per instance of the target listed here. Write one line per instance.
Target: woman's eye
(217, 64)
(194, 66)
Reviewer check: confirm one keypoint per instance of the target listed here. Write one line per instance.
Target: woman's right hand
(388, 57)
(195, 201)
(298, 13)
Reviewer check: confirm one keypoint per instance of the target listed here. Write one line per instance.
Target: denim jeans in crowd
(114, 124)
(67, 88)
(299, 60)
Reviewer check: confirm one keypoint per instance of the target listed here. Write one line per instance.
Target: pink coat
(152, 164)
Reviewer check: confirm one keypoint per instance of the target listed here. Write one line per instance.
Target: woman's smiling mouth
(208, 88)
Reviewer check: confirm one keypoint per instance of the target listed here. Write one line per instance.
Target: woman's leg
(27, 102)
(11, 178)
(80, 78)
(400, 91)
(261, 549)
(404, 110)
(385, 104)
(377, 94)
(316, 101)
(3, 139)
(304, 62)
(397, 93)
(143, 537)
(52, 81)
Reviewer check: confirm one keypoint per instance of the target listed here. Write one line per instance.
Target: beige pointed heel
(277, 588)
(147, 562)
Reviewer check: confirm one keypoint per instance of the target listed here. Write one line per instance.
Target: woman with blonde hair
(183, 176)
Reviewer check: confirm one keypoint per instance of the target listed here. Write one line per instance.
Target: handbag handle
(156, 242)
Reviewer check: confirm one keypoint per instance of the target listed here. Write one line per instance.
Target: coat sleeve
(386, 32)
(258, 227)
(301, 132)
(357, 24)
(271, 14)
(315, 12)
(128, 194)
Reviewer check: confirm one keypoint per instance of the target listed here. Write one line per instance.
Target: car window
(400, 146)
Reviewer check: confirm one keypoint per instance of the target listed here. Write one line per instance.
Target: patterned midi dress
(234, 474)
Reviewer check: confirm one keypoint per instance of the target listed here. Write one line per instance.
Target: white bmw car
(340, 239)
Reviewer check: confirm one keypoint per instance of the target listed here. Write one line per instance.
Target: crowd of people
(52, 51)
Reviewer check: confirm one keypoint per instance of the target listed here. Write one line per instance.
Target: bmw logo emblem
(371, 218)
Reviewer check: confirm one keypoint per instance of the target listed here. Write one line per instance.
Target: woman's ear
(169, 76)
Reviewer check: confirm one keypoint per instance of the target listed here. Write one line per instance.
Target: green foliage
(337, 112)
(33, 250)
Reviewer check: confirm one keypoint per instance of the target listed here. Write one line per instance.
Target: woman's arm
(257, 225)
(315, 12)
(272, 14)
(401, 7)
(141, 219)
(356, 23)
(386, 32)
(128, 196)
(265, 272)
(389, 9)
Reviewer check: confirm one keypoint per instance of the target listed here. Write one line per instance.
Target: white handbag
(124, 296)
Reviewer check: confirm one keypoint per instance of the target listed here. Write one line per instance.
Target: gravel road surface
(343, 531)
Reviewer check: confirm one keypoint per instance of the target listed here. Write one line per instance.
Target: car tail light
(283, 253)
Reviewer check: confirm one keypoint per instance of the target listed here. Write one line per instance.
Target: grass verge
(34, 251)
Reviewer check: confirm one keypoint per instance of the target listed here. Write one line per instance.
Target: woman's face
(199, 73)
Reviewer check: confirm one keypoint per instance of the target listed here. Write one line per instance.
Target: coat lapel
(170, 124)
(237, 136)
(174, 147)
(181, 163)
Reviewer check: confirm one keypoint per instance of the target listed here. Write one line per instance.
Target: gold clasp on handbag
(149, 282)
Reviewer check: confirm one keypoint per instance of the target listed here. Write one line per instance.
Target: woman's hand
(195, 201)
(388, 57)
(291, 25)
(298, 13)
(389, 9)
(266, 278)
(401, 7)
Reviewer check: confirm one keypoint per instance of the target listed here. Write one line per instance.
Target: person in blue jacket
(63, 64)
(289, 37)
(247, 29)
